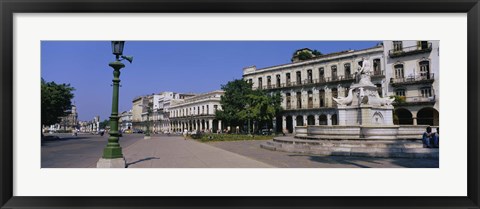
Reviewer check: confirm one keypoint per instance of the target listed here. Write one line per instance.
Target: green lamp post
(112, 154)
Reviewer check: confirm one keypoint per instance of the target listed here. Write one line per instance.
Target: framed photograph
(265, 104)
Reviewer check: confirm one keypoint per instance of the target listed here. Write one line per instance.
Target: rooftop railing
(410, 50)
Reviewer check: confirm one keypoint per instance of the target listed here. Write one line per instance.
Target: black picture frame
(10, 7)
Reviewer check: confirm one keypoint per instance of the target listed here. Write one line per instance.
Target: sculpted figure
(343, 101)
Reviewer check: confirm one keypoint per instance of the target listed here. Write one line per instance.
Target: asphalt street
(84, 150)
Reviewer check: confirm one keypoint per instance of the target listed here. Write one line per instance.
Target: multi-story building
(413, 75)
(196, 113)
(67, 123)
(125, 120)
(139, 107)
(308, 86)
(158, 104)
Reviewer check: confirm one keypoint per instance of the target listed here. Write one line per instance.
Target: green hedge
(231, 137)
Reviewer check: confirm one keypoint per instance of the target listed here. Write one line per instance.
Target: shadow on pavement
(141, 160)
(339, 160)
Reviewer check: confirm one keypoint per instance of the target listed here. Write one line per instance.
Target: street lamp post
(112, 154)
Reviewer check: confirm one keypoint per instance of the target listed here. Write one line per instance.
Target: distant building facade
(158, 117)
(125, 120)
(196, 113)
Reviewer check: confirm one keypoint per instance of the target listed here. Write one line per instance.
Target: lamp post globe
(112, 154)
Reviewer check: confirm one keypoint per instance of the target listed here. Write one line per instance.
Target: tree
(104, 124)
(233, 101)
(240, 103)
(316, 53)
(56, 100)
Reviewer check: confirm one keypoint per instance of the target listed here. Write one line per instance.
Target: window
(334, 73)
(397, 46)
(400, 92)
(278, 80)
(425, 69)
(322, 98)
(376, 67)
(260, 84)
(347, 71)
(287, 79)
(299, 77)
(299, 100)
(208, 110)
(423, 44)
(250, 80)
(215, 107)
(310, 99)
(321, 74)
(269, 81)
(309, 76)
(399, 71)
(334, 95)
(426, 92)
(288, 95)
(379, 89)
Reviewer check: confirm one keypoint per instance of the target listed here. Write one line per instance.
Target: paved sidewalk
(175, 152)
(295, 160)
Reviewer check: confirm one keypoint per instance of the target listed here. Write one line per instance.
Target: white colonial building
(125, 121)
(196, 113)
(408, 69)
(413, 75)
(159, 105)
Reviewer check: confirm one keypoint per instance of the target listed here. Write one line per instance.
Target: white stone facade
(413, 73)
(196, 113)
(307, 87)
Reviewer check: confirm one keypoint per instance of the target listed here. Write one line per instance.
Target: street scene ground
(162, 151)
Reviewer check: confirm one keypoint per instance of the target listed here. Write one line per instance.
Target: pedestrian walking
(185, 134)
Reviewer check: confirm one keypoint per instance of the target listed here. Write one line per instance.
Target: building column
(317, 121)
(210, 124)
(414, 117)
(294, 121)
(329, 119)
(220, 125)
(284, 123)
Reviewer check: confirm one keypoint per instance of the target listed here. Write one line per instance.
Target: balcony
(415, 100)
(308, 82)
(410, 80)
(410, 50)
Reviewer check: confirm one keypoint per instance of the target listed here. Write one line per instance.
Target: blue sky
(179, 66)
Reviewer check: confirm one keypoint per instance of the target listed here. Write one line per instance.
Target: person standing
(185, 134)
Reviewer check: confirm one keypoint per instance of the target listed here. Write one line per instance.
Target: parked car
(265, 132)
(138, 131)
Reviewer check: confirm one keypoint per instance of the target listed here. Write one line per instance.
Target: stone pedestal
(111, 163)
(147, 137)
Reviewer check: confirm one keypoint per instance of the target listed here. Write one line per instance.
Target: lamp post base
(111, 163)
(147, 137)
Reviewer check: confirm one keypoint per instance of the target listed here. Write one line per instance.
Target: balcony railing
(410, 50)
(422, 78)
(323, 80)
(415, 99)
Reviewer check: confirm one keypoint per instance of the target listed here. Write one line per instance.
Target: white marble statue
(343, 101)
(363, 73)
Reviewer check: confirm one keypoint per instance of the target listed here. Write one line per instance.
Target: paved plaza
(162, 151)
